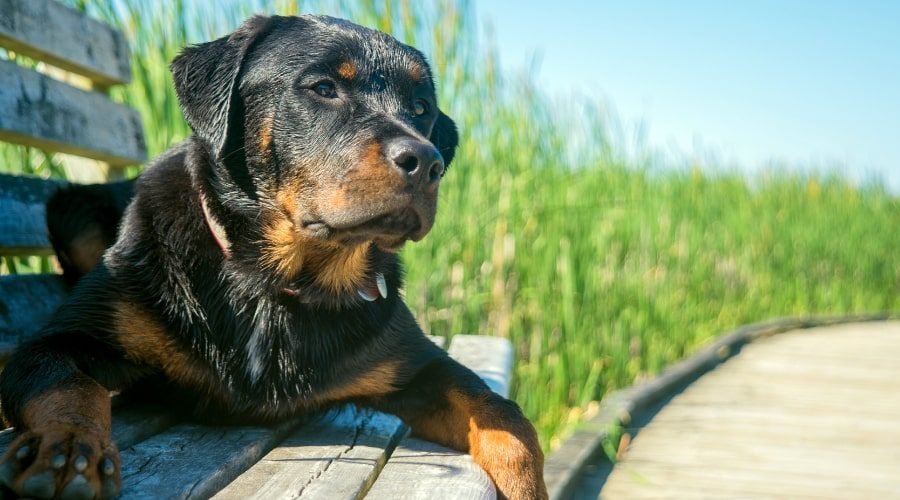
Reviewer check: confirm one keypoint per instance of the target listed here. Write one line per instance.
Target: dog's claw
(80, 463)
(382, 285)
(39, 485)
(58, 461)
(108, 467)
(368, 297)
(22, 452)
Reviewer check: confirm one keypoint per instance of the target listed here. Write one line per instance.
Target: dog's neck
(369, 292)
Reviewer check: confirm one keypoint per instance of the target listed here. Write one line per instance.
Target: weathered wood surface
(580, 465)
(337, 456)
(23, 229)
(130, 425)
(490, 357)
(26, 302)
(49, 31)
(422, 470)
(343, 453)
(193, 461)
(809, 414)
(38, 111)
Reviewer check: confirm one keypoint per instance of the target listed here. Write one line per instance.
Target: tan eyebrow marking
(416, 72)
(347, 70)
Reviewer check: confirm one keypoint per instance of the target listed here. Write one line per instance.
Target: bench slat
(335, 456)
(191, 461)
(130, 425)
(26, 302)
(38, 111)
(51, 32)
(490, 357)
(138, 422)
(421, 470)
(23, 229)
(425, 471)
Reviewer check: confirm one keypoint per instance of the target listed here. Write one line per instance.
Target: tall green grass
(600, 269)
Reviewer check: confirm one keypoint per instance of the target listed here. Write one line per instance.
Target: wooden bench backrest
(39, 111)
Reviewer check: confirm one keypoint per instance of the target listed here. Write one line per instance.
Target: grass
(601, 269)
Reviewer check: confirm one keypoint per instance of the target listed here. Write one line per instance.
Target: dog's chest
(283, 360)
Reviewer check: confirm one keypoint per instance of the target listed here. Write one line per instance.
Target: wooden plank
(130, 425)
(420, 470)
(26, 302)
(23, 228)
(38, 111)
(49, 31)
(193, 461)
(585, 447)
(764, 424)
(701, 482)
(490, 357)
(338, 455)
(426, 471)
(438, 341)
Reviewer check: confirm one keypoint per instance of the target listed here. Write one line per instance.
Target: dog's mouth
(388, 230)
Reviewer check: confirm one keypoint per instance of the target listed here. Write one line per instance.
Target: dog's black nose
(419, 160)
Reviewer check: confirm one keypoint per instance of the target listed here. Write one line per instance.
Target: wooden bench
(347, 452)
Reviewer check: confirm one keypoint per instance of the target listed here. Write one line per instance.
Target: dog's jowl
(253, 276)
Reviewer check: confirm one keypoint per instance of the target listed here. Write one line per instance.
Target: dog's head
(330, 131)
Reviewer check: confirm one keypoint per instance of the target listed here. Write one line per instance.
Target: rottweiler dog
(254, 276)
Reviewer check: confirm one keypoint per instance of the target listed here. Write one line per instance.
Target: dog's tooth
(382, 285)
(366, 295)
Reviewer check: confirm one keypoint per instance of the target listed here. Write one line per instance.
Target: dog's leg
(448, 404)
(55, 391)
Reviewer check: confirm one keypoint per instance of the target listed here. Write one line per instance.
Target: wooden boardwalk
(804, 414)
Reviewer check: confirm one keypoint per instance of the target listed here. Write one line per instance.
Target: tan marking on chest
(146, 340)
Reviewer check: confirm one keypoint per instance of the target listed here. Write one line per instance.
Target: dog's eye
(420, 107)
(325, 89)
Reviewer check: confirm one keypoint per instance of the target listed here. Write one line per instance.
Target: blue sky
(812, 84)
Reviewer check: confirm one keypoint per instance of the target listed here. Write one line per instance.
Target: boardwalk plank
(800, 415)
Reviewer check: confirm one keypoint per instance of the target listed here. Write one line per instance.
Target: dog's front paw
(515, 465)
(62, 461)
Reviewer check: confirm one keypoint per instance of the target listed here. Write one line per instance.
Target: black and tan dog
(255, 276)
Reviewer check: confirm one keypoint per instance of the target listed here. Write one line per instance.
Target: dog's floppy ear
(445, 138)
(206, 80)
